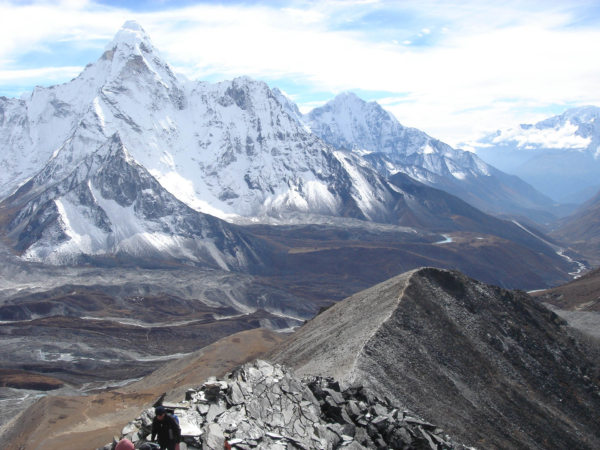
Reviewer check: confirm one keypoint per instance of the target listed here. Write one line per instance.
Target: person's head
(124, 444)
(160, 412)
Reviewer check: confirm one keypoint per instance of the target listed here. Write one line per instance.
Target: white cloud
(33, 26)
(42, 73)
(390, 100)
(562, 137)
(452, 90)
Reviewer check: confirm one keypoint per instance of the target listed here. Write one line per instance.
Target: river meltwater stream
(580, 266)
(559, 251)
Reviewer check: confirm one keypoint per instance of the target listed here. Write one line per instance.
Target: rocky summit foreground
(263, 406)
(491, 366)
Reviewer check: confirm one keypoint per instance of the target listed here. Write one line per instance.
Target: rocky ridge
(497, 368)
(263, 406)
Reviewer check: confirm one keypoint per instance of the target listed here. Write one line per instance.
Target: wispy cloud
(452, 81)
(562, 137)
(41, 74)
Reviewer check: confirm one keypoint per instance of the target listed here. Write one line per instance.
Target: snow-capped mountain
(225, 149)
(350, 122)
(110, 205)
(228, 149)
(368, 130)
(560, 156)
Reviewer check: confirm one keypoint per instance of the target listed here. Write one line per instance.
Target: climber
(166, 428)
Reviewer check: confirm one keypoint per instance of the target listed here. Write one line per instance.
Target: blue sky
(453, 69)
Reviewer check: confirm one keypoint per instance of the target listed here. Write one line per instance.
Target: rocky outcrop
(263, 406)
(492, 366)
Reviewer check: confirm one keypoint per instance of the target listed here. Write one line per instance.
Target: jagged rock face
(110, 204)
(289, 106)
(263, 406)
(492, 366)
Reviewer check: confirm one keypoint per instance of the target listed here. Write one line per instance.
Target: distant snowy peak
(575, 116)
(576, 128)
(349, 122)
(560, 156)
(131, 52)
(365, 127)
(133, 35)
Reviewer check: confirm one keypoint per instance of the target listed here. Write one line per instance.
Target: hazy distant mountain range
(558, 156)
